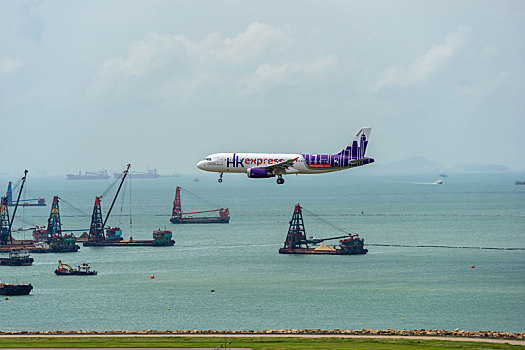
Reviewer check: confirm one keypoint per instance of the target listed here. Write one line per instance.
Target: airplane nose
(200, 165)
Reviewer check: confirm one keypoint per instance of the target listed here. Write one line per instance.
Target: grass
(256, 343)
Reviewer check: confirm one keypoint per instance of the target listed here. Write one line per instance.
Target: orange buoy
(472, 266)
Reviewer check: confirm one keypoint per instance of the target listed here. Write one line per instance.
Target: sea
(426, 266)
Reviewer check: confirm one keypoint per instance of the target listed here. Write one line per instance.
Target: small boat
(15, 289)
(17, 257)
(66, 270)
(520, 183)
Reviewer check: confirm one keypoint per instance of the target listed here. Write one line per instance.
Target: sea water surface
(255, 287)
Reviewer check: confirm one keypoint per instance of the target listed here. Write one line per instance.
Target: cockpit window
(207, 158)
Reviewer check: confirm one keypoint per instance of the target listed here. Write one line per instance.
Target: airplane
(265, 165)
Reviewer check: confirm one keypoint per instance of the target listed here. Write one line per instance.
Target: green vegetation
(256, 343)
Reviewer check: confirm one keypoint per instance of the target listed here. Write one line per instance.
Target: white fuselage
(241, 162)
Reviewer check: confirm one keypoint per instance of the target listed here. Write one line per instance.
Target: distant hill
(478, 168)
(418, 165)
(408, 166)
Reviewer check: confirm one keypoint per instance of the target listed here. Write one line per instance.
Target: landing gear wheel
(220, 178)
(280, 180)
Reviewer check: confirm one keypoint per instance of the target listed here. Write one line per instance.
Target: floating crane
(178, 217)
(99, 235)
(53, 234)
(40, 202)
(6, 238)
(297, 243)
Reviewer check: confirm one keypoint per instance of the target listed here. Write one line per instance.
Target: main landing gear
(220, 178)
(280, 179)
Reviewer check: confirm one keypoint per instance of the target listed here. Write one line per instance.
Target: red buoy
(472, 266)
(151, 276)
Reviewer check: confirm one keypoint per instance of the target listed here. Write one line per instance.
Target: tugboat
(15, 289)
(17, 258)
(67, 270)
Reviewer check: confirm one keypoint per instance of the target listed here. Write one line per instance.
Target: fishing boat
(17, 257)
(520, 183)
(67, 270)
(15, 289)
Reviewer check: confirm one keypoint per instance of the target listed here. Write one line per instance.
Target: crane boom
(16, 206)
(116, 195)
(319, 240)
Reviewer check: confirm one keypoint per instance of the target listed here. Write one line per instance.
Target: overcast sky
(86, 85)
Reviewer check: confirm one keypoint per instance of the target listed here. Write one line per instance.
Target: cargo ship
(297, 242)
(17, 257)
(15, 289)
(150, 174)
(178, 217)
(89, 175)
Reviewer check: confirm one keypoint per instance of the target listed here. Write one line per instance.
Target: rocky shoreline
(335, 332)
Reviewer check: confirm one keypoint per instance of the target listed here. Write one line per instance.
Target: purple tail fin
(357, 148)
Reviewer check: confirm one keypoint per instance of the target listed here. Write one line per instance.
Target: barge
(17, 257)
(297, 242)
(161, 238)
(15, 289)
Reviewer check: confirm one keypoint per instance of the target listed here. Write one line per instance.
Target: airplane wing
(279, 168)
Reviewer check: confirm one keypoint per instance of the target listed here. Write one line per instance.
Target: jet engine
(257, 173)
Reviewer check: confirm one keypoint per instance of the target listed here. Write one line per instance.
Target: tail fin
(357, 148)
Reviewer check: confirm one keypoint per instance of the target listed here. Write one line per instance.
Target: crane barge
(297, 242)
(100, 236)
(178, 217)
(6, 223)
(52, 237)
(40, 202)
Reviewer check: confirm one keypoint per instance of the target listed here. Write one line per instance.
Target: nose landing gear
(220, 178)
(280, 179)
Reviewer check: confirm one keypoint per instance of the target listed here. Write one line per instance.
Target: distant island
(415, 165)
